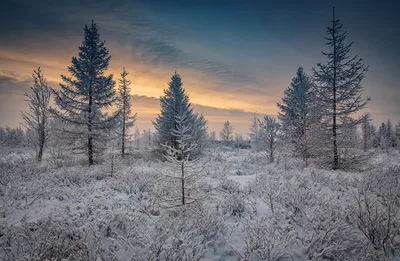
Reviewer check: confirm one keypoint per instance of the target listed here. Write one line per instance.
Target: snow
(118, 217)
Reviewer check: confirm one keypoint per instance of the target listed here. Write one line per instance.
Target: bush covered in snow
(266, 212)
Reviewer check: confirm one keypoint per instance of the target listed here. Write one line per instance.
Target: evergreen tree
(226, 134)
(87, 92)
(124, 105)
(175, 102)
(338, 85)
(297, 112)
(37, 119)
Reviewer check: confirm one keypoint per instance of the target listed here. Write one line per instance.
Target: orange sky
(147, 82)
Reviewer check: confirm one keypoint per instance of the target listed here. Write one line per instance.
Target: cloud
(9, 83)
(123, 21)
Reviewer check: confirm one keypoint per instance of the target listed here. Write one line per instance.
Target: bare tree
(269, 129)
(37, 118)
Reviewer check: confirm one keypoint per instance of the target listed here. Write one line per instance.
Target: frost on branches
(183, 180)
(175, 101)
(38, 117)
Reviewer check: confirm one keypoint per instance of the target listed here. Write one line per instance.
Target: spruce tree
(124, 105)
(339, 85)
(297, 112)
(176, 102)
(87, 92)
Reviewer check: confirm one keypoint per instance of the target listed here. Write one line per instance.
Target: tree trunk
(334, 134)
(183, 183)
(90, 138)
(305, 147)
(149, 138)
(123, 126)
(41, 143)
(271, 152)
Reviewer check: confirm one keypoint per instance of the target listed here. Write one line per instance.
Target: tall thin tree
(38, 116)
(339, 84)
(87, 92)
(124, 105)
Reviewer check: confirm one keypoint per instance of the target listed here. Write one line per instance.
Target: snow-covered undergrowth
(64, 210)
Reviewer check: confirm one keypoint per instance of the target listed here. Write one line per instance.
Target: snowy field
(61, 209)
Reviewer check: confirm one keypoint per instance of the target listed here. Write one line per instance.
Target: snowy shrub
(237, 205)
(377, 212)
(219, 158)
(334, 241)
(133, 181)
(240, 173)
(44, 240)
(228, 185)
(268, 188)
(380, 224)
(185, 234)
(265, 240)
(331, 237)
(72, 177)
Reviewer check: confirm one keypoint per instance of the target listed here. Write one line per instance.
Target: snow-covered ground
(63, 210)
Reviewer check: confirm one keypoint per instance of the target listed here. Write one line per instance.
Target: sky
(235, 57)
